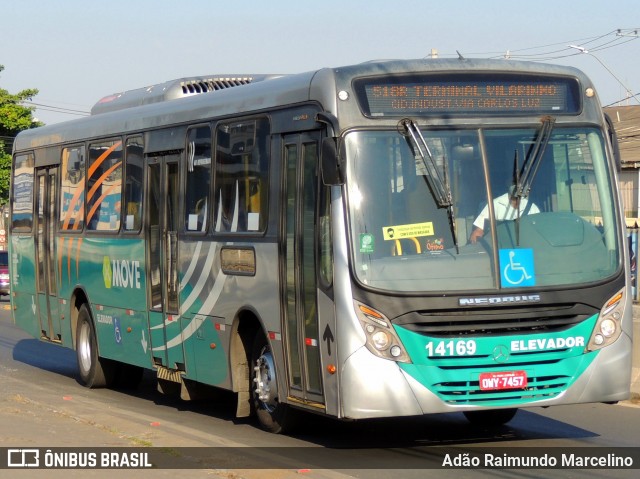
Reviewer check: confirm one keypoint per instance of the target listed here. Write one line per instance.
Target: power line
(57, 109)
(620, 101)
(580, 40)
(585, 51)
(550, 52)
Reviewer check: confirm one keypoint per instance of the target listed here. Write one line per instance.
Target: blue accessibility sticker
(117, 331)
(516, 268)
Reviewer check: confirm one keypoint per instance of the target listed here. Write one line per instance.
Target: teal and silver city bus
(387, 239)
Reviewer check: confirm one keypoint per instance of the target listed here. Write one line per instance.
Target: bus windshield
(404, 239)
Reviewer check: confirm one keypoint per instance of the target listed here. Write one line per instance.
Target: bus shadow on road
(448, 429)
(46, 356)
(413, 442)
(62, 361)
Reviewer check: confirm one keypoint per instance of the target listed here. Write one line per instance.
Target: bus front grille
(468, 392)
(450, 323)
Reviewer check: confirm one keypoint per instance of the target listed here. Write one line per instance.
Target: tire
(490, 418)
(273, 416)
(95, 372)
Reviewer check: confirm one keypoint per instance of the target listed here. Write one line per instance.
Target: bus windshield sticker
(367, 243)
(414, 230)
(516, 268)
(435, 245)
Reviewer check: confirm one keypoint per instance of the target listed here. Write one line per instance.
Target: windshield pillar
(489, 204)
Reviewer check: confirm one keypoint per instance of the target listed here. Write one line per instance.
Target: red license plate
(503, 380)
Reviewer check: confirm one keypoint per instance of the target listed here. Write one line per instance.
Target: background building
(626, 120)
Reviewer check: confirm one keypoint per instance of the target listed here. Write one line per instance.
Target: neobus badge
(497, 300)
(122, 273)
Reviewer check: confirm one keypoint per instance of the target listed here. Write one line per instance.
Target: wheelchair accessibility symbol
(516, 268)
(117, 331)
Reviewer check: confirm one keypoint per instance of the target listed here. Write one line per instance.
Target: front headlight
(382, 339)
(608, 327)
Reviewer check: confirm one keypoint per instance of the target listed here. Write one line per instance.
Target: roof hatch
(173, 89)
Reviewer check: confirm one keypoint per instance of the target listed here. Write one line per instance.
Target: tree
(5, 174)
(14, 117)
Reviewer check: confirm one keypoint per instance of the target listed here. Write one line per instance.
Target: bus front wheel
(490, 418)
(273, 415)
(95, 372)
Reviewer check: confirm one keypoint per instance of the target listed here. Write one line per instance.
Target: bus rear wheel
(273, 416)
(490, 418)
(95, 372)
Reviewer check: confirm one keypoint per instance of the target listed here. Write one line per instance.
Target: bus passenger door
(47, 298)
(298, 268)
(162, 233)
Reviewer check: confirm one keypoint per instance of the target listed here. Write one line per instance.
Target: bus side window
(72, 191)
(241, 180)
(133, 185)
(198, 178)
(22, 199)
(104, 186)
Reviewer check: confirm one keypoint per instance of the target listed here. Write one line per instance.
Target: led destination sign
(468, 94)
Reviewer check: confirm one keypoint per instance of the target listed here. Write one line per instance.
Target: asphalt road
(43, 405)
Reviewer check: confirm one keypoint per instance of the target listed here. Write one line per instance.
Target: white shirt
(503, 210)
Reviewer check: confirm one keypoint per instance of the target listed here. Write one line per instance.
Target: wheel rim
(266, 386)
(84, 347)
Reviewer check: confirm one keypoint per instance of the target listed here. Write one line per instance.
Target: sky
(78, 51)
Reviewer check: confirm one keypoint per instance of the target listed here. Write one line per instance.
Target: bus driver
(505, 208)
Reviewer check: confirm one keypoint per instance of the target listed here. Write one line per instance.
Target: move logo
(107, 273)
(121, 273)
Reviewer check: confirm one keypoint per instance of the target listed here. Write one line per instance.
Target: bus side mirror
(613, 138)
(332, 165)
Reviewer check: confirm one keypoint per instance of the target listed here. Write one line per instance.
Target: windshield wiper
(532, 161)
(438, 184)
(523, 179)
